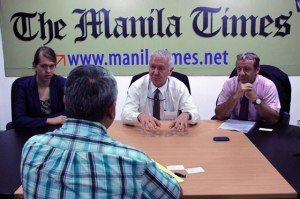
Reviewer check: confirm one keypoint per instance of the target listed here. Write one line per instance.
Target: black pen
(180, 174)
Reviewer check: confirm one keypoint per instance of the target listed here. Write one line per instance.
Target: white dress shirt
(174, 97)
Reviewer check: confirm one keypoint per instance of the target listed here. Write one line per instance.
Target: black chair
(283, 85)
(14, 87)
(177, 75)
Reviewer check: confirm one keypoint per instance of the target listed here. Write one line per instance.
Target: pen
(180, 174)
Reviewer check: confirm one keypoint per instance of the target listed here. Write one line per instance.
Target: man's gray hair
(164, 53)
(249, 56)
(89, 92)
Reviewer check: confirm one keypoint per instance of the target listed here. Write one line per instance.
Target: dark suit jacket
(27, 106)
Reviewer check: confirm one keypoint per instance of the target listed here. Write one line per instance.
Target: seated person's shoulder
(24, 81)
(36, 139)
(132, 153)
(60, 78)
(264, 79)
(232, 79)
(141, 82)
(176, 84)
(261, 80)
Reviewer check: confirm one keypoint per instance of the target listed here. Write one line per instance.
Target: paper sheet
(161, 167)
(237, 125)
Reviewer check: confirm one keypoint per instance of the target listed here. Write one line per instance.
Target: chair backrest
(177, 75)
(14, 87)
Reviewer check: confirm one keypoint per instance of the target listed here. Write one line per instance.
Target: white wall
(205, 90)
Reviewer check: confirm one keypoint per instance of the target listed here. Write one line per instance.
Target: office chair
(14, 87)
(177, 75)
(283, 85)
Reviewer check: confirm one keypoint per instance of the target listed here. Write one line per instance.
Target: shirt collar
(162, 89)
(86, 126)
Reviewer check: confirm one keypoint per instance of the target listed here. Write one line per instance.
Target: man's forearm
(224, 110)
(266, 113)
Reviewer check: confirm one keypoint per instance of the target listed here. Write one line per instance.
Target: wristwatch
(257, 101)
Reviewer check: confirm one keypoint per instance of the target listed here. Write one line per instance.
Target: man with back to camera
(79, 160)
(258, 94)
(173, 97)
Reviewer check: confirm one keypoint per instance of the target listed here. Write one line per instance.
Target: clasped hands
(151, 124)
(246, 90)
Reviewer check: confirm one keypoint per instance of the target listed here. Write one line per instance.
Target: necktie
(244, 109)
(156, 105)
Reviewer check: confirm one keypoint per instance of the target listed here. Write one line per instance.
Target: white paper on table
(175, 167)
(194, 170)
(237, 125)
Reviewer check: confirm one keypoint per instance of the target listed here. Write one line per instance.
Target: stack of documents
(237, 125)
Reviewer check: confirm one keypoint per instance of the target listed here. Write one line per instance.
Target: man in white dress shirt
(175, 101)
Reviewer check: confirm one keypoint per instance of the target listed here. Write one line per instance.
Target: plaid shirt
(80, 160)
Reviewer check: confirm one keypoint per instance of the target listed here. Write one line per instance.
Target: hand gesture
(148, 122)
(56, 120)
(181, 123)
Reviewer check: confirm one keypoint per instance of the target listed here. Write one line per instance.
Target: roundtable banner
(204, 35)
